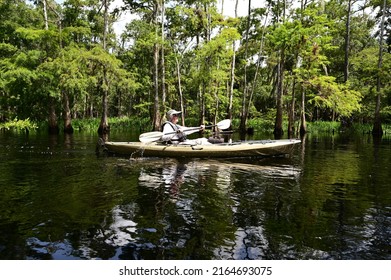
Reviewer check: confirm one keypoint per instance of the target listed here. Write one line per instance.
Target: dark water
(330, 199)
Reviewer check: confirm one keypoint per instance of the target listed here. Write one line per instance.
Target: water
(330, 199)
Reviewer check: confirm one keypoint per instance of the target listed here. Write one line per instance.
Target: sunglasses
(174, 115)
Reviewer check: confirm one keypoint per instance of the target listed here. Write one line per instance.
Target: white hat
(172, 112)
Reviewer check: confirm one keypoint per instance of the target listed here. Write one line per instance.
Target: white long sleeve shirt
(170, 132)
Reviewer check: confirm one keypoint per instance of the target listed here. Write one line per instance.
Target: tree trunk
(106, 23)
(303, 124)
(377, 127)
(291, 116)
(53, 124)
(162, 61)
(244, 114)
(67, 114)
(91, 108)
(178, 72)
(104, 125)
(202, 102)
(232, 82)
(278, 130)
(347, 42)
(208, 29)
(45, 14)
(156, 106)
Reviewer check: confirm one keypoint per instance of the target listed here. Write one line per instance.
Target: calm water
(330, 199)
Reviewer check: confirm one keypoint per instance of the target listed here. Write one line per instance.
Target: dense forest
(291, 60)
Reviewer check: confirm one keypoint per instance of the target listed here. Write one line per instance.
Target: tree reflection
(189, 215)
(329, 202)
(201, 210)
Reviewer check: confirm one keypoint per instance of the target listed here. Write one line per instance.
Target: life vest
(181, 136)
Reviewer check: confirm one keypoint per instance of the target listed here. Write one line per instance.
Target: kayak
(221, 150)
(262, 148)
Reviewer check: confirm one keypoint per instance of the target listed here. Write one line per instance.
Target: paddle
(156, 135)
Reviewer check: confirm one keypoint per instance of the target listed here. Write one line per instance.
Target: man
(175, 134)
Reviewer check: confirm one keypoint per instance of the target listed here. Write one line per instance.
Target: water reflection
(194, 210)
(329, 200)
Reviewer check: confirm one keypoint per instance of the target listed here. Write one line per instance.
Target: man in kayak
(181, 132)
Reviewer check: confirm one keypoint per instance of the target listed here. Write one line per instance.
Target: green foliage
(365, 66)
(323, 127)
(116, 124)
(67, 63)
(265, 125)
(326, 93)
(7, 50)
(213, 60)
(19, 125)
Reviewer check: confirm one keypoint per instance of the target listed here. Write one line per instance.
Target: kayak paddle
(154, 136)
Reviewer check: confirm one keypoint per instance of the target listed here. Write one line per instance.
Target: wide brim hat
(172, 112)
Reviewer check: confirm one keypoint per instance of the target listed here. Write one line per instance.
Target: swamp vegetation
(65, 64)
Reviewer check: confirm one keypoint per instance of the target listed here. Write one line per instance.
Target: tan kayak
(222, 150)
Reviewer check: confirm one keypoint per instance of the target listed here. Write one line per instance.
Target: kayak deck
(222, 150)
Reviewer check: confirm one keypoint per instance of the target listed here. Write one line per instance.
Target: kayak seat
(215, 140)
